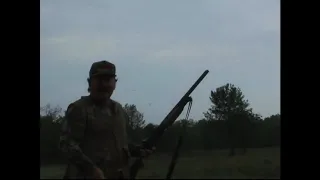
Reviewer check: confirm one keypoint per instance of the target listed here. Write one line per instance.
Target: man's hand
(147, 152)
(139, 151)
(97, 173)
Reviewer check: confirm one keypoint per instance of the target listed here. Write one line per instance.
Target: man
(93, 135)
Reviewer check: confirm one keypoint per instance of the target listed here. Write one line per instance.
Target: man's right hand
(97, 173)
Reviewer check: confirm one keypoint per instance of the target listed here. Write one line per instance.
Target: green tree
(55, 113)
(135, 118)
(136, 122)
(49, 134)
(228, 104)
(149, 129)
(225, 100)
(272, 127)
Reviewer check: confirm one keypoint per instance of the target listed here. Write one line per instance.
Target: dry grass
(257, 163)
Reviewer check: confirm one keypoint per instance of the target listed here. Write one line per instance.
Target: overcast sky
(160, 48)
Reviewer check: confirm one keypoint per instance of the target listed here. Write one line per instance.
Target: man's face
(102, 86)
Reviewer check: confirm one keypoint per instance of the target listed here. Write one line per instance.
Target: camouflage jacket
(95, 136)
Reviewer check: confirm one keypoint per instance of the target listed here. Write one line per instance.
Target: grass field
(257, 163)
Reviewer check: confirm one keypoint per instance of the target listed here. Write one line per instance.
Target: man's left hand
(147, 152)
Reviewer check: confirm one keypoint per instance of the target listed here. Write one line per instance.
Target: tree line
(230, 123)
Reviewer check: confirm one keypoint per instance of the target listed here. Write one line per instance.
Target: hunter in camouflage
(93, 135)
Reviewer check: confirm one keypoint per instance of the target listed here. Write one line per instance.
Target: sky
(160, 48)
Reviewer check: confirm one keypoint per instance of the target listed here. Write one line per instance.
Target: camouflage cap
(102, 68)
